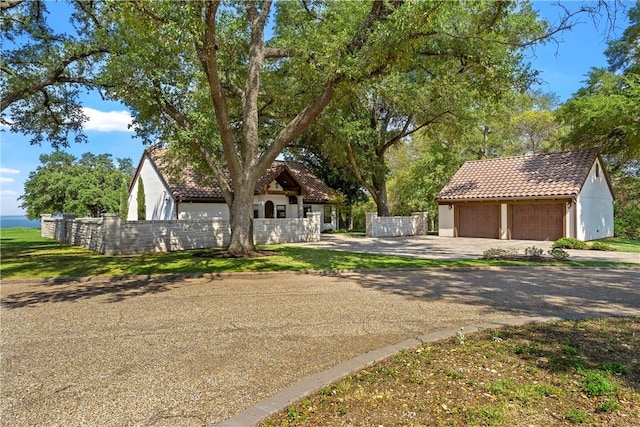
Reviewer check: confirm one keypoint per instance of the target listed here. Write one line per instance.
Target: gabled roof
(543, 176)
(189, 186)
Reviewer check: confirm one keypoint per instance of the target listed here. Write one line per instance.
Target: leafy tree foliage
(43, 70)
(419, 171)
(90, 185)
(604, 114)
(467, 60)
(349, 191)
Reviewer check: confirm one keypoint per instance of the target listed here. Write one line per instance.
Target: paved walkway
(159, 351)
(436, 247)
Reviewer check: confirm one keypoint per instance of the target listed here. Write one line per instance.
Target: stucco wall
(159, 202)
(445, 221)
(594, 208)
(195, 211)
(396, 226)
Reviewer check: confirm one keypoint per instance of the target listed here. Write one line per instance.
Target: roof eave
(444, 201)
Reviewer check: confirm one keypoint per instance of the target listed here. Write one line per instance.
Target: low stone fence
(396, 226)
(111, 236)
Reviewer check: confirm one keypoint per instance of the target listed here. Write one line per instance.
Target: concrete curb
(259, 412)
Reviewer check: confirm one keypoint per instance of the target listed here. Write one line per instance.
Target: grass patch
(623, 245)
(24, 254)
(510, 381)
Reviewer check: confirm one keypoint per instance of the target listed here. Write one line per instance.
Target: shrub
(569, 243)
(494, 253)
(532, 251)
(601, 246)
(558, 253)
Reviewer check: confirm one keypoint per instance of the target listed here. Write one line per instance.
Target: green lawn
(24, 254)
(623, 245)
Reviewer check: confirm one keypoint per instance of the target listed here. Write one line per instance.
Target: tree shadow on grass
(114, 289)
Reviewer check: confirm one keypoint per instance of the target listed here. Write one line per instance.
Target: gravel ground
(195, 351)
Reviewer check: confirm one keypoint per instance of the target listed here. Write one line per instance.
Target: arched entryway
(268, 209)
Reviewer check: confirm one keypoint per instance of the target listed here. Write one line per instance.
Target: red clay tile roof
(533, 176)
(186, 184)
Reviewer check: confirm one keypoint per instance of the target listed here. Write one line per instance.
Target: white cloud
(8, 193)
(3, 179)
(9, 170)
(109, 121)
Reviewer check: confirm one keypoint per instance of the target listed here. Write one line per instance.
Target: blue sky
(563, 67)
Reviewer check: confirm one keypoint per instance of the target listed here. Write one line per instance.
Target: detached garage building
(534, 197)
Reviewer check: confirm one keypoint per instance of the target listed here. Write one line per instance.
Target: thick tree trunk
(383, 206)
(382, 203)
(241, 218)
(379, 181)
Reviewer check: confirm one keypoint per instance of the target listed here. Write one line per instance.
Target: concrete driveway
(166, 351)
(449, 248)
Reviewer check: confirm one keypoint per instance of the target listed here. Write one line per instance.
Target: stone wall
(112, 236)
(396, 226)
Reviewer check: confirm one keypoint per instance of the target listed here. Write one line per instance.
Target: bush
(532, 251)
(494, 253)
(601, 246)
(569, 243)
(558, 253)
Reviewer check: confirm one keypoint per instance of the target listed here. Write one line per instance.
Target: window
(281, 211)
(255, 211)
(293, 200)
(327, 214)
(597, 170)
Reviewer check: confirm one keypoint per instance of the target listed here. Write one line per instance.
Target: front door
(268, 209)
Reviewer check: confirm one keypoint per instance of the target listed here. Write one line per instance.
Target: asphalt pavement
(162, 351)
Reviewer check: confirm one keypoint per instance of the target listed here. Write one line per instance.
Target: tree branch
(182, 121)
(8, 4)
(207, 54)
(55, 77)
(277, 52)
(356, 171)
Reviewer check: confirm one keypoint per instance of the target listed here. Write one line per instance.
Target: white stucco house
(286, 190)
(532, 197)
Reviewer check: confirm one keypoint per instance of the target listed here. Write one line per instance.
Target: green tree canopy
(468, 57)
(43, 70)
(90, 185)
(605, 114)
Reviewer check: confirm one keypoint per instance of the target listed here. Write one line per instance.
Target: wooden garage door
(537, 222)
(479, 221)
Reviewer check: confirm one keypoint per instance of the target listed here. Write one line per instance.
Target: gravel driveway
(170, 351)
